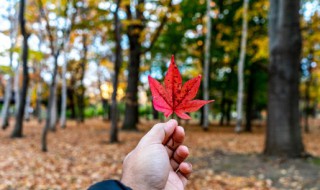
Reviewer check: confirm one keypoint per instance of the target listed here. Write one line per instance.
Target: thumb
(160, 133)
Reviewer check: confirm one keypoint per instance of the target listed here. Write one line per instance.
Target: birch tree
(206, 68)
(71, 13)
(56, 45)
(241, 62)
(8, 92)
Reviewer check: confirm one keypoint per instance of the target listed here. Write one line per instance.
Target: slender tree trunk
(6, 105)
(81, 99)
(307, 97)
(64, 93)
(38, 102)
(17, 131)
(70, 94)
(228, 112)
(117, 66)
(241, 62)
(104, 101)
(50, 104)
(16, 86)
(250, 97)
(27, 106)
(54, 111)
(222, 108)
(8, 94)
(105, 108)
(206, 68)
(8, 91)
(155, 113)
(109, 112)
(307, 108)
(39, 85)
(283, 137)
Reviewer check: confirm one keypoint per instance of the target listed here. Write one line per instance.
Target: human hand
(157, 162)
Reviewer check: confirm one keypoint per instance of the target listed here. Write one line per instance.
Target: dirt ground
(81, 155)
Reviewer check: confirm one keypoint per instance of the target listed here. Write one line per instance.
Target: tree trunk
(54, 111)
(81, 99)
(155, 114)
(228, 112)
(16, 86)
(17, 131)
(250, 96)
(70, 94)
(64, 96)
(39, 102)
(50, 104)
(64, 93)
(283, 137)
(104, 102)
(105, 108)
(222, 108)
(206, 69)
(6, 105)
(241, 62)
(27, 106)
(38, 110)
(117, 66)
(8, 91)
(109, 112)
(131, 112)
(131, 117)
(307, 108)
(307, 96)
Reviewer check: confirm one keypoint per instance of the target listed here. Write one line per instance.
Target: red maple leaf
(173, 97)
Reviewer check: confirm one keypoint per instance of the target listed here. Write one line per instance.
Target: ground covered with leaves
(81, 155)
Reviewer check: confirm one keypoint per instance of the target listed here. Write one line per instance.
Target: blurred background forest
(75, 72)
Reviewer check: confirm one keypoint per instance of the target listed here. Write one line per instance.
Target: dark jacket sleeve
(109, 185)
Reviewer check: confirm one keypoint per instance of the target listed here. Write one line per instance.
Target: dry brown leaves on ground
(81, 155)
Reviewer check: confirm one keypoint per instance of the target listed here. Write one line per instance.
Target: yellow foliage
(107, 63)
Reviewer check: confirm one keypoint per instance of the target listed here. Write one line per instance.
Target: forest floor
(81, 155)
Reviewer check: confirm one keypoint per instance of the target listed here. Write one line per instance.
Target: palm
(174, 182)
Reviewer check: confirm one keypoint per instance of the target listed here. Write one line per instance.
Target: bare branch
(158, 31)
(48, 27)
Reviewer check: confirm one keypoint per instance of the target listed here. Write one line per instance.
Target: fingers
(185, 170)
(175, 141)
(179, 156)
(159, 133)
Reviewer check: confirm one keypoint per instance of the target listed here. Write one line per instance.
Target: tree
(135, 32)
(17, 131)
(66, 40)
(117, 66)
(83, 63)
(283, 137)
(8, 90)
(241, 62)
(206, 68)
(309, 72)
(55, 46)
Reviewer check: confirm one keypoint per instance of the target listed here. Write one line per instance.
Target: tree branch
(48, 27)
(158, 31)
